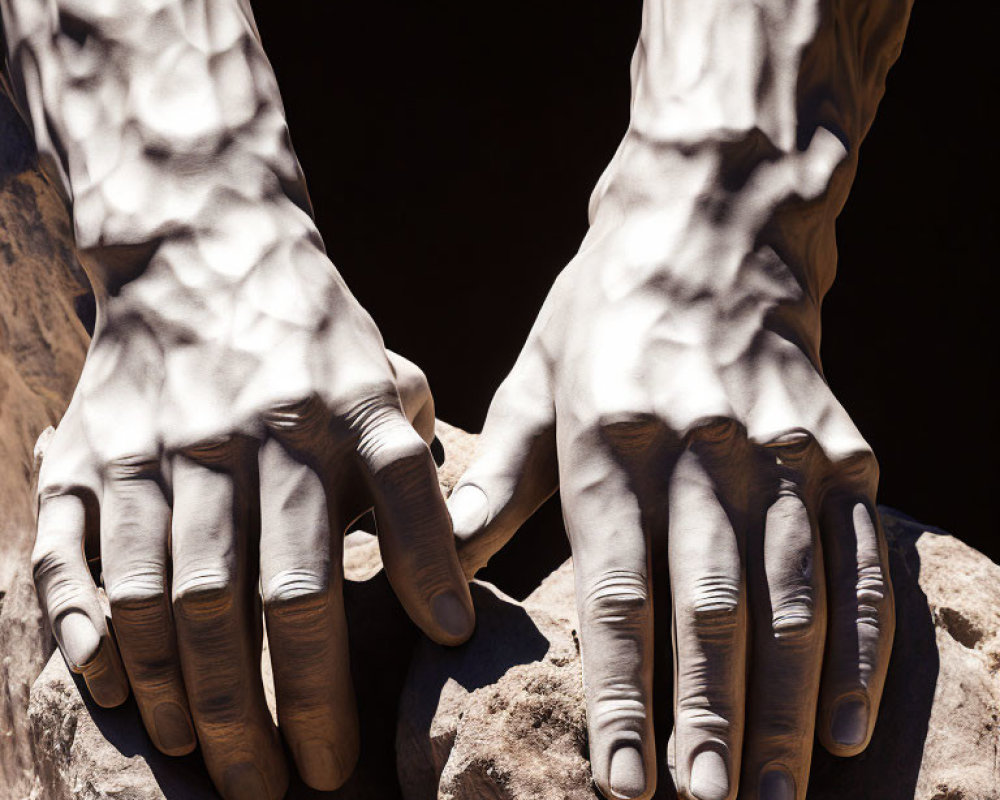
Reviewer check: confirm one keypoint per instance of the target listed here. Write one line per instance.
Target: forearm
(164, 127)
(742, 146)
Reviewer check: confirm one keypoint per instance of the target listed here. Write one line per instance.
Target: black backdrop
(451, 148)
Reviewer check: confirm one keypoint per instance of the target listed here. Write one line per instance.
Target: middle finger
(787, 597)
(302, 582)
(216, 624)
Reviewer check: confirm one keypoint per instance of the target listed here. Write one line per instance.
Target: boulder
(42, 347)
(502, 717)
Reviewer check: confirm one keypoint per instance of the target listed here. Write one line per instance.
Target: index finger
(415, 533)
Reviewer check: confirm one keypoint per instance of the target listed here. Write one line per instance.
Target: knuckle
(208, 592)
(60, 589)
(219, 701)
(857, 469)
(715, 436)
(618, 708)
(873, 596)
(795, 617)
(628, 429)
(216, 451)
(297, 593)
(715, 721)
(131, 466)
(618, 598)
(139, 594)
(792, 448)
(300, 416)
(715, 603)
(368, 406)
(778, 733)
(394, 450)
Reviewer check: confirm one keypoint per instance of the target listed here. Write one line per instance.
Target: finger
(604, 521)
(862, 614)
(301, 580)
(514, 470)
(68, 595)
(788, 609)
(415, 534)
(135, 522)
(414, 394)
(710, 634)
(216, 618)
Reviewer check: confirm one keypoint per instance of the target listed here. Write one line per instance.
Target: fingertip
(626, 778)
(469, 508)
(173, 730)
(709, 776)
(105, 678)
(848, 726)
(326, 766)
(454, 615)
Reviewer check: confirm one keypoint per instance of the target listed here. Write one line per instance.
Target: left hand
(665, 390)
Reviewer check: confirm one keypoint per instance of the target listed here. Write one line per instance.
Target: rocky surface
(501, 718)
(42, 347)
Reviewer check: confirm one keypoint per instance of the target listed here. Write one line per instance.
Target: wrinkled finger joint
(618, 597)
(209, 592)
(715, 603)
(297, 594)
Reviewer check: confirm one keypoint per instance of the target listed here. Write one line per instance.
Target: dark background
(451, 148)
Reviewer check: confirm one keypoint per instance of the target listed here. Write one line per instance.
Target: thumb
(514, 469)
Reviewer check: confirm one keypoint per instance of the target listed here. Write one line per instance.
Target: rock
(42, 347)
(502, 718)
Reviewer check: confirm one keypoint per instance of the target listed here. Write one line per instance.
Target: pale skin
(671, 387)
(238, 410)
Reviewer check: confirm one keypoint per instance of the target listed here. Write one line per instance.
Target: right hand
(220, 440)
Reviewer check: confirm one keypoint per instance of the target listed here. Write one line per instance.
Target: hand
(220, 441)
(671, 388)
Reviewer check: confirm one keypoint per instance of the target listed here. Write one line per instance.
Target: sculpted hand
(671, 388)
(237, 409)
(204, 491)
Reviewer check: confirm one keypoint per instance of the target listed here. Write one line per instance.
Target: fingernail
(244, 782)
(628, 777)
(776, 784)
(469, 509)
(849, 726)
(79, 638)
(173, 729)
(318, 765)
(451, 615)
(709, 776)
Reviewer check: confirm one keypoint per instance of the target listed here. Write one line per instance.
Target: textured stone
(42, 347)
(502, 717)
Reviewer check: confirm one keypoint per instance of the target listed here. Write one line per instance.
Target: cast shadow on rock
(890, 766)
(182, 778)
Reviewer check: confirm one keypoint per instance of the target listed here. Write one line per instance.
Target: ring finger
(788, 605)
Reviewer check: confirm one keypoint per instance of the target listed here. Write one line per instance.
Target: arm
(672, 389)
(237, 410)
